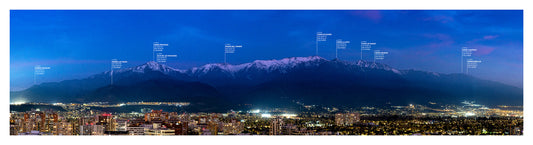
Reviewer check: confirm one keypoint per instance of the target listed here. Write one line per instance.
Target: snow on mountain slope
(149, 66)
(372, 65)
(265, 65)
(284, 65)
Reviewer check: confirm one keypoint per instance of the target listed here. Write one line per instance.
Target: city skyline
(413, 119)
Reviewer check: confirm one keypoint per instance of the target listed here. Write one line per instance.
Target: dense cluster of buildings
(346, 119)
(39, 123)
(156, 122)
(399, 120)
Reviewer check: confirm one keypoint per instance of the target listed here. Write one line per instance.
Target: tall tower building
(276, 126)
(107, 121)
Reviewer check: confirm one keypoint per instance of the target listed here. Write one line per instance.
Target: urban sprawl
(79, 119)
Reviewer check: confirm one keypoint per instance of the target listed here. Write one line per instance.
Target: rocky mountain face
(313, 80)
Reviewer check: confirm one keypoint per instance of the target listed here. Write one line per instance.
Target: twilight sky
(77, 44)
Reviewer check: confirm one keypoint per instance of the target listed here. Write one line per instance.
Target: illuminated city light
(255, 111)
(288, 115)
(266, 115)
(18, 103)
(467, 114)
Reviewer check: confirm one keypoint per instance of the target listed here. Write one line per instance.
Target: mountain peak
(274, 65)
(295, 75)
(374, 65)
(150, 66)
(153, 65)
(289, 60)
(268, 65)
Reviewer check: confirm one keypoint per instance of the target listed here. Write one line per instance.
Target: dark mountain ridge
(312, 79)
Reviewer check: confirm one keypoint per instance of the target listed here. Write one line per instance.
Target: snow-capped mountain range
(268, 66)
(253, 73)
(313, 79)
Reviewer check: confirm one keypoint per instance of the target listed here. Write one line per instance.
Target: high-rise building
(75, 127)
(13, 130)
(92, 129)
(107, 121)
(181, 128)
(42, 121)
(276, 126)
(121, 125)
(213, 127)
(62, 128)
(156, 115)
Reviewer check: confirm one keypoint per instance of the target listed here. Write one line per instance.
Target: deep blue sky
(77, 44)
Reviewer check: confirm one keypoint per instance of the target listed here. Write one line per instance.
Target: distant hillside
(273, 82)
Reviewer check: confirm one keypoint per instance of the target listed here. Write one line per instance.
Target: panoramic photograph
(266, 72)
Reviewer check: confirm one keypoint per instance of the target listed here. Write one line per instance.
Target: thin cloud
(373, 15)
(23, 64)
